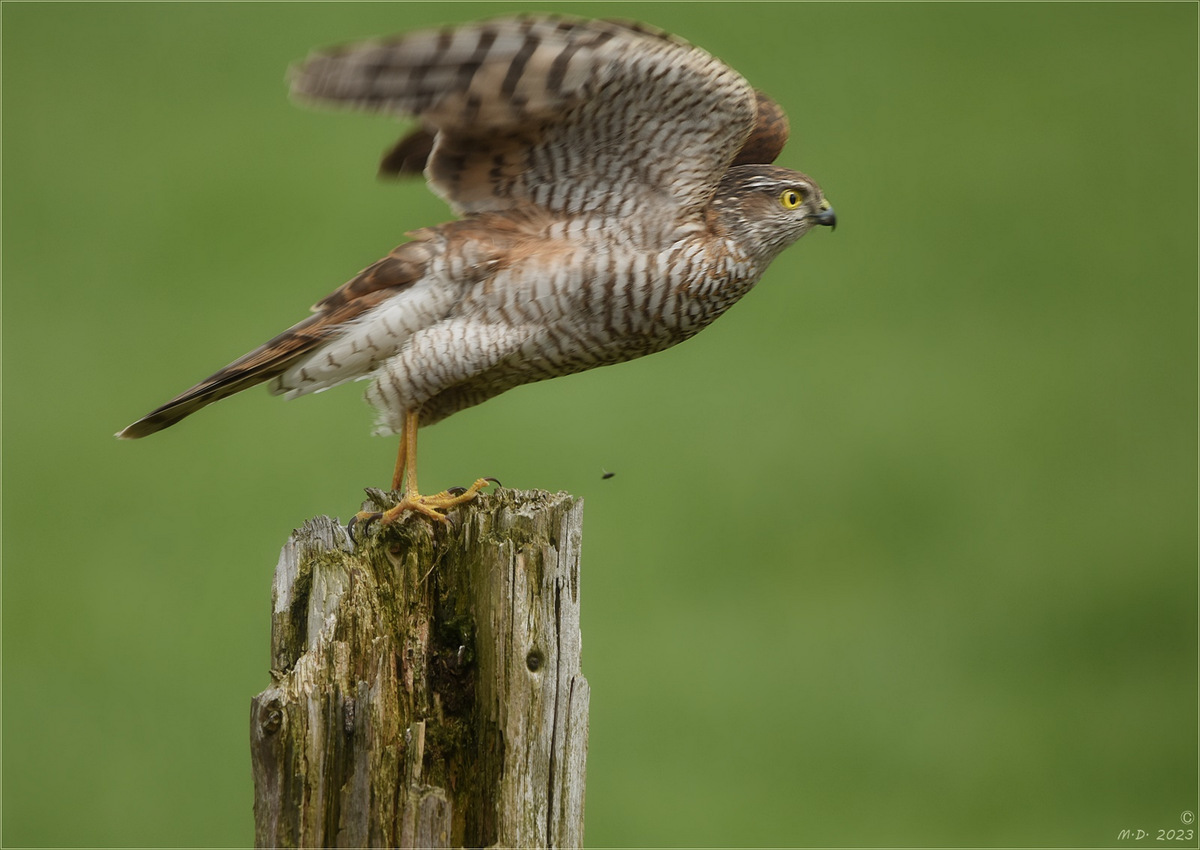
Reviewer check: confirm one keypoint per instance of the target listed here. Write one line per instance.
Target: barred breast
(544, 318)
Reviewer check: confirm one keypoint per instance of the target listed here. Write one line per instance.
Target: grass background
(900, 552)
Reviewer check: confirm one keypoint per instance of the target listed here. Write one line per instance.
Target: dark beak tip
(827, 218)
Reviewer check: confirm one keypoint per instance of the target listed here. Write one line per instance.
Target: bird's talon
(433, 506)
(364, 517)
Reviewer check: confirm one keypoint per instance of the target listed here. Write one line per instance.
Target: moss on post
(426, 688)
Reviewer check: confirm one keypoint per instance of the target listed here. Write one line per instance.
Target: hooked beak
(826, 217)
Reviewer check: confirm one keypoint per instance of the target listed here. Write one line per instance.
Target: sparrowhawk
(616, 195)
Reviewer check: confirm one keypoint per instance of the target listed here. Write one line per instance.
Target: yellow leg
(412, 500)
(401, 458)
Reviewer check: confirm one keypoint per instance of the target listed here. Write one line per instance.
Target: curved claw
(366, 518)
(458, 491)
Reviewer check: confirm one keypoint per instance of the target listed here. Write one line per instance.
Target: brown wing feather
(409, 155)
(379, 281)
(554, 112)
(769, 135)
(766, 141)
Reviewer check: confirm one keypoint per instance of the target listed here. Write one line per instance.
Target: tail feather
(373, 285)
(262, 364)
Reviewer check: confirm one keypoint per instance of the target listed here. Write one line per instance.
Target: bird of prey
(615, 192)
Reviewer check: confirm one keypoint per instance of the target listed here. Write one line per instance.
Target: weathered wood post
(426, 689)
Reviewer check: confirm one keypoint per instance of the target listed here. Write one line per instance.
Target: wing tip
(409, 156)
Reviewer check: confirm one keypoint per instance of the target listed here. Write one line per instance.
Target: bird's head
(769, 208)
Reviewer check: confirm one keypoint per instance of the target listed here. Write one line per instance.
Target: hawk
(615, 192)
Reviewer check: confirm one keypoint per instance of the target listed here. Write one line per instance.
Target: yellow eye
(791, 199)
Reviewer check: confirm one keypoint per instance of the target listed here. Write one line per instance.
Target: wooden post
(426, 689)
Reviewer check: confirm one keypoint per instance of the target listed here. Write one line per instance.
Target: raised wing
(568, 115)
(410, 155)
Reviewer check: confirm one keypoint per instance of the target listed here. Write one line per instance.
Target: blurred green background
(900, 552)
